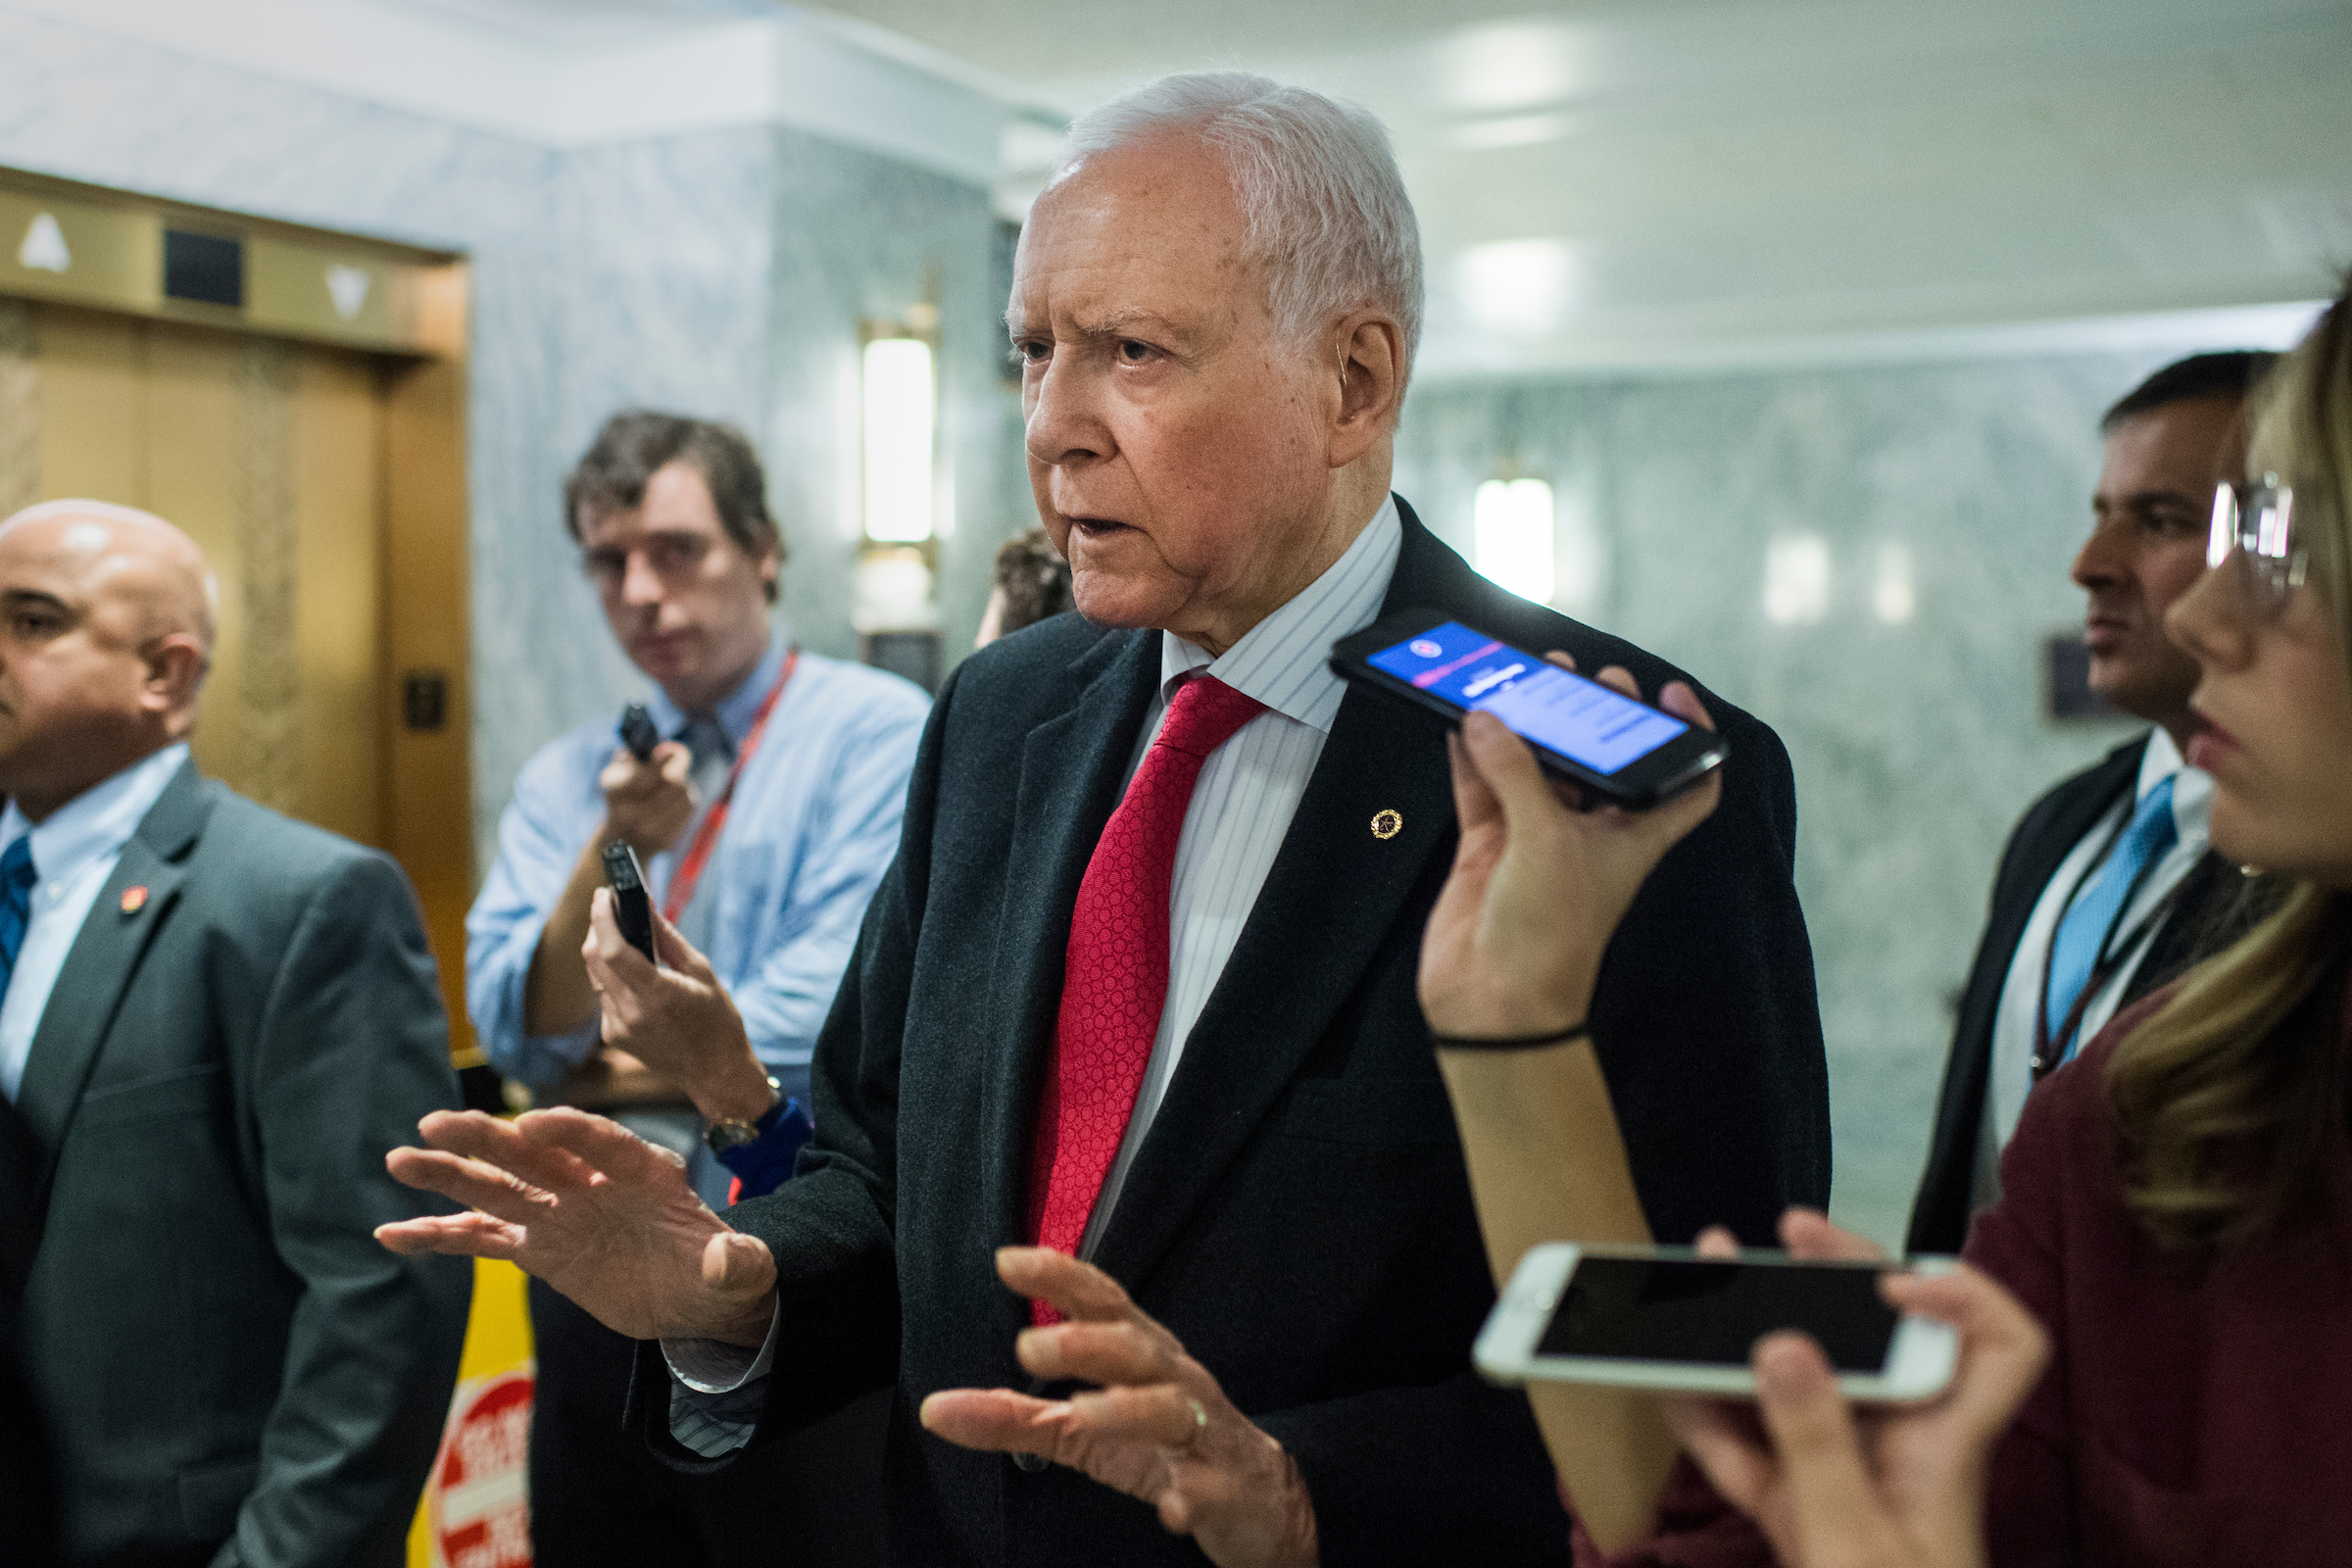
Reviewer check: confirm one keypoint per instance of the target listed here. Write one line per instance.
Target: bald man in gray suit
(216, 1020)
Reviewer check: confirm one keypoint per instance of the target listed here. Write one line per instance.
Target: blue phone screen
(1579, 719)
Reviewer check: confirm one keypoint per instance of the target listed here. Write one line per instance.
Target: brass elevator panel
(268, 453)
(325, 486)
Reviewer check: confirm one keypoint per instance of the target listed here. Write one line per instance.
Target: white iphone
(1663, 1317)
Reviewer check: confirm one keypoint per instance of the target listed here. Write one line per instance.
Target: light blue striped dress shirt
(1248, 790)
(813, 827)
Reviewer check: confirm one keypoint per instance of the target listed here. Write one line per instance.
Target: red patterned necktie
(1116, 977)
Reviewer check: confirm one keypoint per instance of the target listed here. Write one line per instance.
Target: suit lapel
(1333, 892)
(2038, 861)
(102, 961)
(1073, 769)
(1942, 1209)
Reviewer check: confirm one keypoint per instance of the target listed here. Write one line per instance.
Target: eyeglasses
(2254, 524)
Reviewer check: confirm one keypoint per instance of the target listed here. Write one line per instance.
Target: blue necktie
(17, 877)
(2084, 932)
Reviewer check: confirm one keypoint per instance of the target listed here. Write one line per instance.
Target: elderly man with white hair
(214, 1021)
(1130, 1027)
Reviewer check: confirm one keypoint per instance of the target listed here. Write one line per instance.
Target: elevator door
(273, 455)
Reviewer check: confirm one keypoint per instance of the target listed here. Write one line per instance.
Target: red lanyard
(705, 837)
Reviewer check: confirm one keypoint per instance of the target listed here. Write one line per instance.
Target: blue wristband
(767, 1163)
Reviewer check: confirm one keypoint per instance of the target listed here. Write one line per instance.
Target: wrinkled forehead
(1154, 226)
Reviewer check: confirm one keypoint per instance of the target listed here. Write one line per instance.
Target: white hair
(1329, 221)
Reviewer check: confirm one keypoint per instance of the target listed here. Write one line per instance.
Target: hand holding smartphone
(632, 909)
(638, 731)
(1668, 1319)
(1619, 750)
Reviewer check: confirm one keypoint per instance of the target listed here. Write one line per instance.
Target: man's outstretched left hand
(1156, 1424)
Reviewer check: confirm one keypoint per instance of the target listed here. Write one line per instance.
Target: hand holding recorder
(661, 1002)
(648, 802)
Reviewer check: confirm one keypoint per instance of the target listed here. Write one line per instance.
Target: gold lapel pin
(1386, 824)
(134, 899)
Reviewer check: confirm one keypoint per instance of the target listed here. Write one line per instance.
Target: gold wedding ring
(1199, 1425)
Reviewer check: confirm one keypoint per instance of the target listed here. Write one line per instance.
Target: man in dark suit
(2107, 889)
(214, 1021)
(1164, 842)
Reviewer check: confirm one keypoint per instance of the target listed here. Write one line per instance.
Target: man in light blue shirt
(764, 818)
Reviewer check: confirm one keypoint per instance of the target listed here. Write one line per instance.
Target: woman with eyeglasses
(2176, 1208)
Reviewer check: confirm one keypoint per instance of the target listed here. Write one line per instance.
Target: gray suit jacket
(232, 1368)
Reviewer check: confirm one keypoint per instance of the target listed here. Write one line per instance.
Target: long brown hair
(2230, 1095)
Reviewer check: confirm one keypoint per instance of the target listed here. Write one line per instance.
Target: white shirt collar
(97, 822)
(1284, 660)
(2192, 791)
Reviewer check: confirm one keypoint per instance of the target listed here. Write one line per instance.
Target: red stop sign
(479, 1502)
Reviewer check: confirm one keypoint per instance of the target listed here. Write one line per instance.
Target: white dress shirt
(1241, 811)
(2012, 1068)
(75, 849)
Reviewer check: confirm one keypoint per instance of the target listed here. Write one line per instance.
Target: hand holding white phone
(1670, 1319)
(1894, 1486)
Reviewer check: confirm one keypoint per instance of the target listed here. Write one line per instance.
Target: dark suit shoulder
(2071, 805)
(1034, 672)
(268, 863)
(297, 849)
(2101, 778)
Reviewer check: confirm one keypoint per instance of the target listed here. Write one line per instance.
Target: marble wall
(861, 237)
(719, 272)
(725, 273)
(1916, 741)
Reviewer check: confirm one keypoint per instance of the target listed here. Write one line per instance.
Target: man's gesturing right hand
(596, 1211)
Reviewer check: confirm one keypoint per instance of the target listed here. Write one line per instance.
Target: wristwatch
(734, 1132)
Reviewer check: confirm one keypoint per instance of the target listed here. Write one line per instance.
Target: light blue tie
(17, 877)
(2084, 932)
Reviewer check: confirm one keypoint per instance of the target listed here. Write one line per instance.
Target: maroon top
(2190, 1415)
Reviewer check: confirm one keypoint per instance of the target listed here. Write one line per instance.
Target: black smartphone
(1624, 752)
(638, 732)
(630, 905)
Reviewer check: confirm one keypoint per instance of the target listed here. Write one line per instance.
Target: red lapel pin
(134, 899)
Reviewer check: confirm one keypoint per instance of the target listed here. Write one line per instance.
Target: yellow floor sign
(476, 1510)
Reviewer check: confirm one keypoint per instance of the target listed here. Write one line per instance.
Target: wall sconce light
(1511, 536)
(895, 601)
(901, 400)
(1796, 579)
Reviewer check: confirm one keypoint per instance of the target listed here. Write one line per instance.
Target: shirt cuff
(717, 1390)
(716, 1367)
